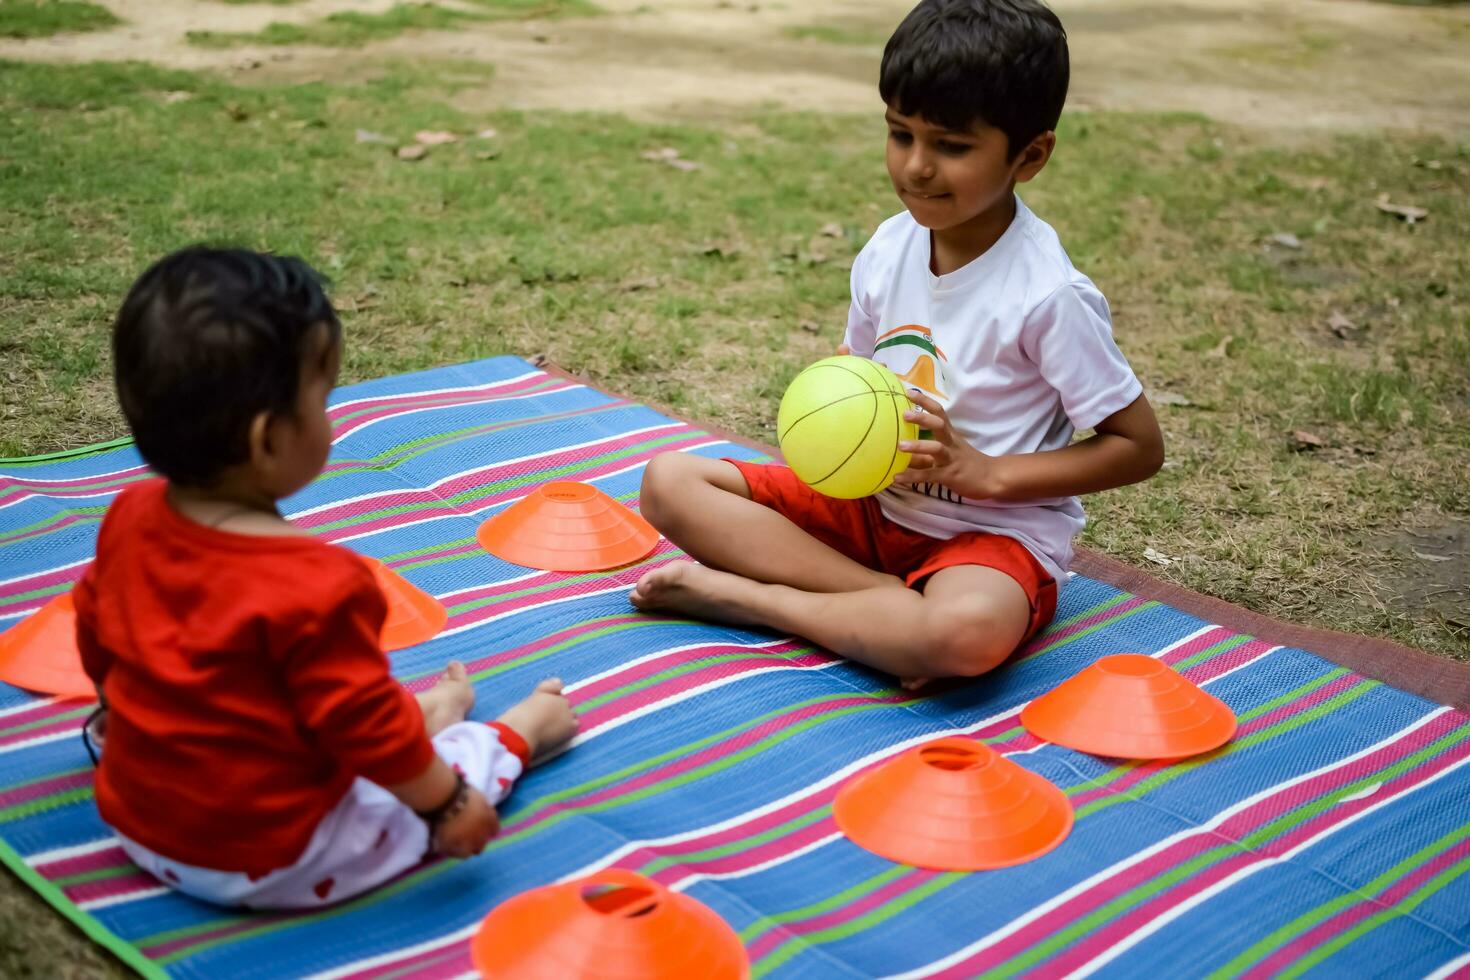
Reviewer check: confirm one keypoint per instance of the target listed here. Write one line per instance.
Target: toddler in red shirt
(257, 750)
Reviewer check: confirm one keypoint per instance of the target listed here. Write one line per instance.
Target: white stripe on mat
(1020, 922)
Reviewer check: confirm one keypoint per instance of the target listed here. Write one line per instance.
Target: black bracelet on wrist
(449, 807)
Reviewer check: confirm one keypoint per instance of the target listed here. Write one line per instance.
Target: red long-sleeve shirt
(245, 684)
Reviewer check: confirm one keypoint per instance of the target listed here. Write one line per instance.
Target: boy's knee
(661, 479)
(668, 481)
(969, 638)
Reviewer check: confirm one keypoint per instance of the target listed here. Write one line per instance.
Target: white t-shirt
(1017, 346)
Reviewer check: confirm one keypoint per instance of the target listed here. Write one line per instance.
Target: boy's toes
(456, 672)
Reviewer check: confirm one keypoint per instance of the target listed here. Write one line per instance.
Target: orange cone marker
(567, 527)
(1129, 706)
(615, 925)
(40, 653)
(414, 616)
(953, 805)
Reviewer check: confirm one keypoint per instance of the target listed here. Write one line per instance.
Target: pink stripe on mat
(107, 857)
(1351, 916)
(44, 788)
(434, 505)
(1236, 827)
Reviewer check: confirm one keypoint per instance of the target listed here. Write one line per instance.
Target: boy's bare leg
(703, 505)
(448, 701)
(967, 620)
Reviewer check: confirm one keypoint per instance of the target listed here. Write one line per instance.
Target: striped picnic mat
(1331, 837)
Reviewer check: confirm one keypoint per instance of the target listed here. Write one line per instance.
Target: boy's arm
(1127, 447)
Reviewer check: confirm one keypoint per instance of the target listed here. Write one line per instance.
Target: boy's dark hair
(961, 62)
(206, 340)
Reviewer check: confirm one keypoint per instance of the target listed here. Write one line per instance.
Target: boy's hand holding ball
(945, 458)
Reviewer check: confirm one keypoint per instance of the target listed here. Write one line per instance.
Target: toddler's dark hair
(206, 340)
(961, 62)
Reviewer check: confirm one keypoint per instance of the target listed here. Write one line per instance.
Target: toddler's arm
(461, 821)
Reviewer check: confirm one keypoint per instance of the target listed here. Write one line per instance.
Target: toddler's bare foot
(685, 587)
(545, 719)
(448, 701)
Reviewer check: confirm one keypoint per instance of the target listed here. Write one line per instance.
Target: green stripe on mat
(1369, 892)
(96, 447)
(93, 929)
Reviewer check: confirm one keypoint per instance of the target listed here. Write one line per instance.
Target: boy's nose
(920, 167)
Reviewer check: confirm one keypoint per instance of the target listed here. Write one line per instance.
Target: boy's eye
(901, 137)
(952, 148)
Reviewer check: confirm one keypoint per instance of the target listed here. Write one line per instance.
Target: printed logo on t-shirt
(910, 352)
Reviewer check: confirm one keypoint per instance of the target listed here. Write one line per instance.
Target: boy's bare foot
(448, 701)
(683, 586)
(545, 719)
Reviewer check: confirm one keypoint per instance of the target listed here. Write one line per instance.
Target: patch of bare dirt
(1300, 64)
(1434, 575)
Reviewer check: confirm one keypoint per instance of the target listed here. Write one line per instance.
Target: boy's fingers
(843, 350)
(924, 401)
(927, 420)
(924, 449)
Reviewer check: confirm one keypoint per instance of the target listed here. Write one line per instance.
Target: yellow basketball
(840, 424)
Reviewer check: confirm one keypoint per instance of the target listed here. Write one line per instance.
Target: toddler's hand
(945, 457)
(467, 832)
(843, 350)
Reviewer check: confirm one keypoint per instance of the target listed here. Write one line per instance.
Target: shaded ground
(1341, 64)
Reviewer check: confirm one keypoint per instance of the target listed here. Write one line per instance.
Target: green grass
(349, 28)
(856, 37)
(43, 18)
(691, 289)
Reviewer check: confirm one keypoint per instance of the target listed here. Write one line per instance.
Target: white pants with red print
(366, 840)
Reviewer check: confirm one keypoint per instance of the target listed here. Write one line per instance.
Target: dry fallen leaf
(435, 137)
(1222, 349)
(487, 134)
(660, 156)
(1169, 398)
(368, 136)
(811, 326)
(1408, 212)
(1286, 239)
(832, 230)
(1341, 326)
(1425, 557)
(1158, 557)
(684, 165)
(1304, 441)
(413, 151)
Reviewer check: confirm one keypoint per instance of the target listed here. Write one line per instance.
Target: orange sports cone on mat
(414, 616)
(40, 652)
(613, 925)
(1129, 706)
(954, 805)
(567, 527)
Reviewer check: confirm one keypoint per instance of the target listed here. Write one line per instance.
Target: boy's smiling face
(948, 178)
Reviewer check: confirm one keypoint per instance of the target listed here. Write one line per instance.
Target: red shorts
(859, 530)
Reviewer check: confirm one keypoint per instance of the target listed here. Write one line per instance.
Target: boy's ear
(260, 439)
(1032, 159)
